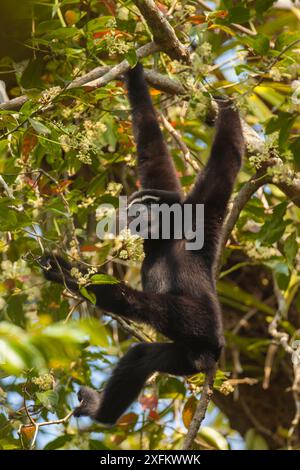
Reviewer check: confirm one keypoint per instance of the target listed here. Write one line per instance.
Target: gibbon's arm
(155, 166)
(178, 317)
(215, 183)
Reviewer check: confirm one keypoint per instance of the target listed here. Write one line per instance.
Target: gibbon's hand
(57, 269)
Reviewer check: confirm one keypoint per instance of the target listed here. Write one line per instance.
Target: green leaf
(213, 437)
(16, 351)
(39, 127)
(88, 295)
(295, 149)
(48, 399)
(261, 44)
(97, 445)
(255, 441)
(59, 442)
(171, 388)
(290, 249)
(131, 57)
(9, 444)
(97, 332)
(274, 228)
(239, 14)
(63, 33)
(263, 5)
(31, 77)
(103, 279)
(231, 290)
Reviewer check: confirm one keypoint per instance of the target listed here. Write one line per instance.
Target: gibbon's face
(151, 218)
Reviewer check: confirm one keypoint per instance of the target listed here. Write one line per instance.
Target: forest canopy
(67, 148)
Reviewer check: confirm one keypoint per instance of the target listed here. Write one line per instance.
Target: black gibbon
(179, 296)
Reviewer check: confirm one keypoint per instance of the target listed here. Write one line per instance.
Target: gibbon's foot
(90, 402)
(154, 196)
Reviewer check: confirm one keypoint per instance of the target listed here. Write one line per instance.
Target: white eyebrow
(143, 198)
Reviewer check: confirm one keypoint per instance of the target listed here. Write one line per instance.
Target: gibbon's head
(151, 213)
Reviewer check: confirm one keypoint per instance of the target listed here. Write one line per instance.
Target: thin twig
(239, 27)
(202, 405)
(181, 144)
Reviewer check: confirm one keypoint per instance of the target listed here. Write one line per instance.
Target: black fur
(179, 298)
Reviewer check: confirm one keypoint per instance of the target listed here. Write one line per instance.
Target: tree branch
(164, 83)
(202, 405)
(249, 188)
(163, 32)
(122, 67)
(181, 144)
(239, 27)
(100, 76)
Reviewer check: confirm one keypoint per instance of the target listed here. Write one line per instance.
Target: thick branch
(162, 31)
(123, 66)
(291, 190)
(164, 83)
(157, 80)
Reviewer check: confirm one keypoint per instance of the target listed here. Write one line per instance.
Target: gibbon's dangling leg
(155, 166)
(130, 375)
(214, 184)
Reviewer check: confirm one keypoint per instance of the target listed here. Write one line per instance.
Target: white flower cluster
(275, 74)
(81, 278)
(81, 143)
(114, 188)
(86, 202)
(117, 45)
(205, 50)
(73, 251)
(44, 382)
(130, 246)
(130, 160)
(282, 173)
(270, 147)
(260, 253)
(93, 129)
(47, 96)
(104, 211)
(15, 269)
(84, 142)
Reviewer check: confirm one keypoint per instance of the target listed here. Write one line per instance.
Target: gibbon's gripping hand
(57, 269)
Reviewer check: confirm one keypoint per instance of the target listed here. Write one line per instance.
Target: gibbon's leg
(193, 321)
(155, 166)
(131, 373)
(215, 183)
